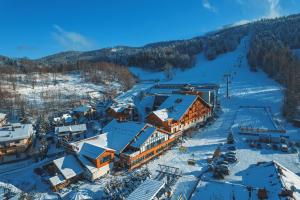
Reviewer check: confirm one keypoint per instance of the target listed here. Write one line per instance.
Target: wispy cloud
(271, 9)
(274, 8)
(206, 4)
(71, 40)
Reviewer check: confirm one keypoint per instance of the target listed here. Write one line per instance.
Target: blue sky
(35, 28)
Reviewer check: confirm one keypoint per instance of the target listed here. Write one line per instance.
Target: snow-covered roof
(68, 166)
(91, 151)
(2, 116)
(56, 180)
(16, 131)
(120, 134)
(116, 136)
(176, 106)
(79, 195)
(162, 114)
(143, 136)
(147, 190)
(223, 190)
(87, 164)
(274, 177)
(71, 128)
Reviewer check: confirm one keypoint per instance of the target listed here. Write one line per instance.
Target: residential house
(96, 160)
(3, 119)
(83, 111)
(180, 112)
(15, 138)
(71, 132)
(121, 113)
(68, 170)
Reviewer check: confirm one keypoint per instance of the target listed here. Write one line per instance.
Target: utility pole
(228, 77)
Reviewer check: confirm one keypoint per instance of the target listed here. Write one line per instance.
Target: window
(105, 159)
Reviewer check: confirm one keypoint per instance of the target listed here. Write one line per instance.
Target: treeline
(96, 72)
(224, 41)
(271, 49)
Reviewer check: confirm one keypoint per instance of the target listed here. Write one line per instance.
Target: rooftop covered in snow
(175, 106)
(274, 177)
(68, 166)
(91, 151)
(71, 128)
(116, 136)
(2, 116)
(147, 190)
(16, 131)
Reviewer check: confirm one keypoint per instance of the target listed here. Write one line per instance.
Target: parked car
(284, 148)
(231, 148)
(223, 169)
(222, 162)
(231, 159)
(230, 153)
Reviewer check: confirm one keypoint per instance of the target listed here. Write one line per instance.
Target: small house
(71, 132)
(83, 111)
(15, 138)
(96, 160)
(68, 170)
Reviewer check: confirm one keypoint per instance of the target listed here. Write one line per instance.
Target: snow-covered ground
(47, 87)
(246, 89)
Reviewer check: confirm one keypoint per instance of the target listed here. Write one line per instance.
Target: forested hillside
(271, 49)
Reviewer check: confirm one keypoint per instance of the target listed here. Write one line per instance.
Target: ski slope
(246, 89)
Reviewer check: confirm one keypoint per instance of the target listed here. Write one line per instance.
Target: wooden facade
(197, 112)
(133, 157)
(134, 161)
(14, 147)
(104, 159)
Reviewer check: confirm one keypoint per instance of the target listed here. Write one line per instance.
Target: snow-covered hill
(246, 89)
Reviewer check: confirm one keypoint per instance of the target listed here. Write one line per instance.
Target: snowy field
(246, 89)
(49, 87)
